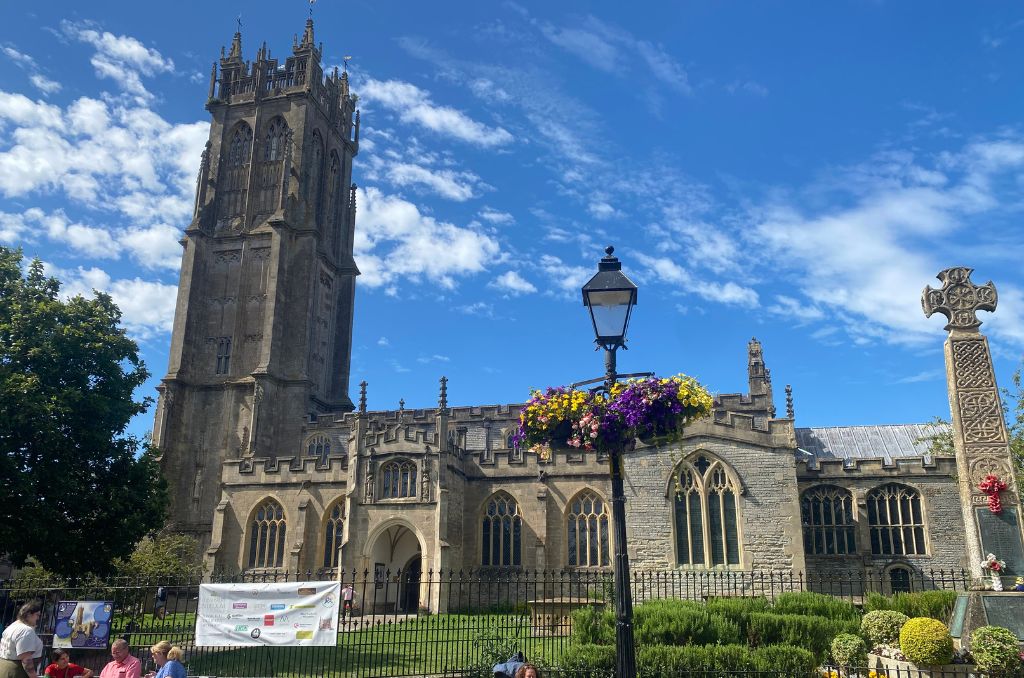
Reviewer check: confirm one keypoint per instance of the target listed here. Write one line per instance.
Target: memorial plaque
(1006, 610)
(1000, 535)
(956, 624)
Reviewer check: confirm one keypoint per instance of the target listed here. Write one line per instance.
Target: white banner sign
(297, 613)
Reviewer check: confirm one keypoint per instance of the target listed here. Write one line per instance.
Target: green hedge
(737, 609)
(593, 626)
(815, 604)
(934, 604)
(674, 622)
(588, 660)
(811, 632)
(786, 660)
(662, 661)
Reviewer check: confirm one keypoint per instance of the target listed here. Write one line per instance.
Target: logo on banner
(306, 591)
(277, 606)
(241, 628)
(255, 633)
(239, 606)
(268, 620)
(303, 635)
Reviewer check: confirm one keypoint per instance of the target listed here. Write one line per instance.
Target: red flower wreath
(992, 486)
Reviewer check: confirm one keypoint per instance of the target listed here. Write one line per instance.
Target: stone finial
(442, 401)
(236, 46)
(789, 402)
(401, 404)
(213, 81)
(307, 35)
(959, 299)
(362, 397)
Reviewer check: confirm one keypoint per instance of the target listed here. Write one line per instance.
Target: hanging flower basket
(640, 408)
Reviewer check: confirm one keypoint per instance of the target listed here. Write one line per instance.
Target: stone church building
(272, 465)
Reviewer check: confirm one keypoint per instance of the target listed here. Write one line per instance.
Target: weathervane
(344, 62)
(238, 20)
(311, 3)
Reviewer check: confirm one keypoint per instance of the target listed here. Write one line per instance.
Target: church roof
(886, 442)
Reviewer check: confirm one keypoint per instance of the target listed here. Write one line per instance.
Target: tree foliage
(76, 491)
(165, 557)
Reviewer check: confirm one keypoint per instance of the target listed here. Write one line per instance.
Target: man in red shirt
(63, 667)
(124, 664)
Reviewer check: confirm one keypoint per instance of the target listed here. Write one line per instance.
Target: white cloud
(414, 105)
(383, 341)
(926, 375)
(147, 306)
(479, 308)
(120, 58)
(791, 308)
(496, 217)
(156, 246)
(449, 184)
(436, 358)
(667, 271)
(599, 209)
(566, 280)
(512, 282)
(26, 62)
(747, 87)
(395, 240)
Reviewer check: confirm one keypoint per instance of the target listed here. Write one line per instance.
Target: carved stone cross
(959, 299)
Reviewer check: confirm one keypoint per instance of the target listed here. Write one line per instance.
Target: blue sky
(794, 171)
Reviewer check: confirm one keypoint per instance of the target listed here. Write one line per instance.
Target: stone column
(979, 429)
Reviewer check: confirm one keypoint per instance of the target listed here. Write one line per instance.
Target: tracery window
(829, 521)
(268, 178)
(398, 480)
(319, 446)
(235, 184)
(333, 533)
(314, 191)
(706, 514)
(900, 579)
(329, 218)
(502, 532)
(267, 534)
(896, 521)
(223, 355)
(587, 531)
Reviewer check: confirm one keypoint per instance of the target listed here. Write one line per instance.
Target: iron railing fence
(419, 623)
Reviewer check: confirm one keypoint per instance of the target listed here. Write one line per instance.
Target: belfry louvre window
(587, 531)
(320, 447)
(266, 541)
(333, 534)
(706, 516)
(829, 521)
(270, 169)
(502, 532)
(399, 480)
(896, 521)
(235, 184)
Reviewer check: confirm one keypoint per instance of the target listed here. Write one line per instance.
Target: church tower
(263, 325)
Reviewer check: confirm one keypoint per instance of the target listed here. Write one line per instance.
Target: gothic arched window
(235, 184)
(330, 217)
(319, 446)
(333, 533)
(271, 167)
(267, 534)
(502, 532)
(314, 187)
(896, 521)
(706, 514)
(398, 480)
(587, 531)
(829, 521)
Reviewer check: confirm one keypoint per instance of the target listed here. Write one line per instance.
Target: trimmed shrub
(737, 609)
(996, 649)
(934, 604)
(665, 661)
(849, 650)
(882, 627)
(675, 622)
(810, 632)
(784, 660)
(593, 626)
(926, 642)
(589, 660)
(814, 604)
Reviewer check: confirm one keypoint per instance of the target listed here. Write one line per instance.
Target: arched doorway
(394, 557)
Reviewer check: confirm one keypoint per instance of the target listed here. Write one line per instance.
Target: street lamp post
(610, 297)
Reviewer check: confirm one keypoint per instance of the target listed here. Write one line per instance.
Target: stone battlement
(842, 468)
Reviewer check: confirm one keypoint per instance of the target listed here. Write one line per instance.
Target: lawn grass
(414, 647)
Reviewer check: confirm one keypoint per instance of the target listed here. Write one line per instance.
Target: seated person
(124, 664)
(63, 667)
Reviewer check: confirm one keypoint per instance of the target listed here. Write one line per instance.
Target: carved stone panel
(973, 366)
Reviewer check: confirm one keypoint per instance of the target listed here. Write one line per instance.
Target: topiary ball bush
(849, 650)
(996, 649)
(926, 642)
(882, 627)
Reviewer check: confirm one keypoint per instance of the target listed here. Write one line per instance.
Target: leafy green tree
(76, 491)
(164, 557)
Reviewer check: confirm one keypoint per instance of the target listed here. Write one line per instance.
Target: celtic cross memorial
(979, 429)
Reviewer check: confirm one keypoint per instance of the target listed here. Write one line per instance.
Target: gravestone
(1000, 536)
(986, 608)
